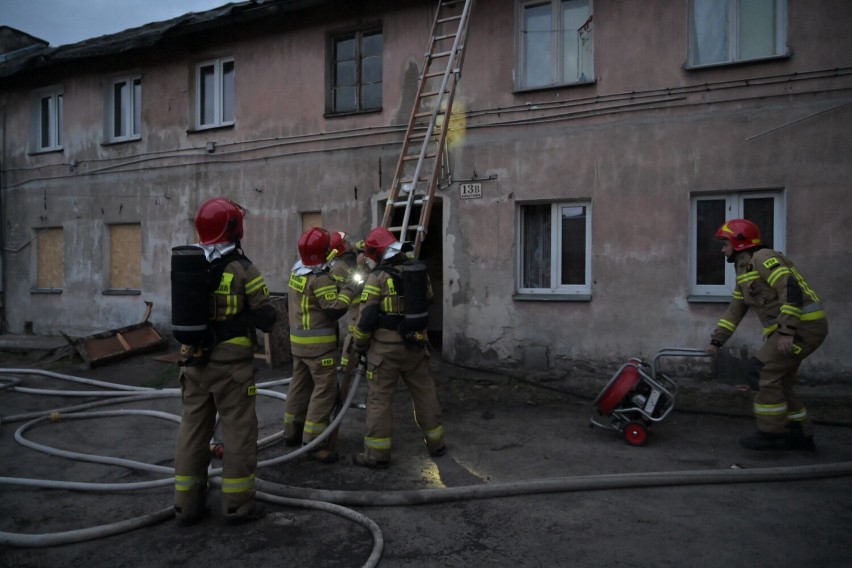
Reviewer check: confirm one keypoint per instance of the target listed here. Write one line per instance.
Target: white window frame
(731, 42)
(556, 288)
(218, 93)
(52, 139)
(586, 70)
(734, 207)
(128, 109)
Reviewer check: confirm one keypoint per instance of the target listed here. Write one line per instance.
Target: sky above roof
(61, 22)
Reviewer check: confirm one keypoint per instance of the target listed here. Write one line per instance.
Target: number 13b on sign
(470, 190)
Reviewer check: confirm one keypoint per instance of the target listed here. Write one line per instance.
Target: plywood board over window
(125, 257)
(51, 258)
(311, 219)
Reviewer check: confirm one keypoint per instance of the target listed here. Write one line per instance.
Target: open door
(432, 253)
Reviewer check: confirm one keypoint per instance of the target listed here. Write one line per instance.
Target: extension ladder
(419, 166)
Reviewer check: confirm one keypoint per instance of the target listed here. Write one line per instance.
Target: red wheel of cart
(635, 434)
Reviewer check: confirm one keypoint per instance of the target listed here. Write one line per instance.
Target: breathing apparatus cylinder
(416, 292)
(190, 296)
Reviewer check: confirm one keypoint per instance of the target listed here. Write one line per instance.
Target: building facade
(595, 147)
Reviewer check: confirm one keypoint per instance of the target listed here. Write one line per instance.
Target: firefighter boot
(764, 441)
(362, 460)
(796, 439)
(253, 512)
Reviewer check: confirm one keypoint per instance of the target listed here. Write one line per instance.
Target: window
(125, 260)
(710, 274)
(214, 93)
(356, 72)
(555, 43)
(50, 261)
(125, 109)
(727, 31)
(48, 120)
(555, 249)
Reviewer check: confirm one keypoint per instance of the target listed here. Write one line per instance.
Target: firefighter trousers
(386, 363)
(229, 389)
(311, 397)
(777, 407)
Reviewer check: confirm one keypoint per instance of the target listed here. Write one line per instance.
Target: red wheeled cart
(639, 395)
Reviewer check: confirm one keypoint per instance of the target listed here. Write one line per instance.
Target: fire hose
(331, 501)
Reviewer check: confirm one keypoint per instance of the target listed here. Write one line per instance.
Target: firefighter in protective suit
(391, 356)
(794, 326)
(219, 376)
(315, 305)
(346, 267)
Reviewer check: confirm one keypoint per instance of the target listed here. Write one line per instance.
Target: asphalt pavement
(526, 481)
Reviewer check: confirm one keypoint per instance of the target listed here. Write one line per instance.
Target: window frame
(556, 290)
(55, 114)
(131, 109)
(732, 46)
(219, 89)
(557, 48)
(734, 207)
(359, 35)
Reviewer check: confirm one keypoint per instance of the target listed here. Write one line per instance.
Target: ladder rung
(404, 181)
(398, 204)
(417, 157)
(430, 75)
(429, 113)
(410, 228)
(440, 54)
(443, 37)
(449, 19)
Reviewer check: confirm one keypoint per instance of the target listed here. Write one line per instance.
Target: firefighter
(391, 355)
(346, 266)
(794, 326)
(219, 376)
(315, 305)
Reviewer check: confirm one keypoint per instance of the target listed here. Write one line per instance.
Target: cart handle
(676, 352)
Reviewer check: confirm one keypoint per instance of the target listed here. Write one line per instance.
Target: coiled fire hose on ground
(331, 501)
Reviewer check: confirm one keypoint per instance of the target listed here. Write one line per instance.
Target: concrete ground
(526, 481)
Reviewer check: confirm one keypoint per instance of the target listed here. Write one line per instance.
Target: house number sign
(470, 190)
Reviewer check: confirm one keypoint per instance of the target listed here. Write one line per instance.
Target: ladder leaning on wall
(419, 166)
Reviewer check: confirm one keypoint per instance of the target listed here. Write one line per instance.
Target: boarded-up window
(51, 258)
(125, 257)
(311, 219)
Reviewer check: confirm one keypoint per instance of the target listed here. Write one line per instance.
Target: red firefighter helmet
(313, 246)
(742, 233)
(338, 244)
(377, 242)
(219, 220)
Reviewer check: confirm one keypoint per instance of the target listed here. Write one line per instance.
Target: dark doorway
(432, 253)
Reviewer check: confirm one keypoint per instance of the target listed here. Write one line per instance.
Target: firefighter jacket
(315, 304)
(382, 308)
(240, 303)
(770, 283)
